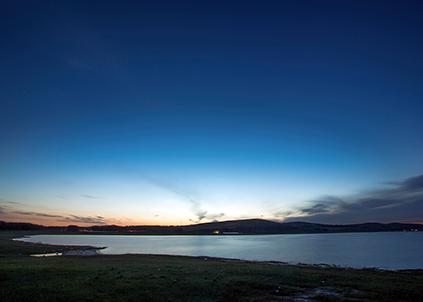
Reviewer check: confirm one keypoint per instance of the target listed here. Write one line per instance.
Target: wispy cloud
(35, 214)
(324, 205)
(196, 207)
(64, 218)
(8, 201)
(215, 217)
(410, 184)
(83, 219)
(403, 202)
(198, 210)
(89, 196)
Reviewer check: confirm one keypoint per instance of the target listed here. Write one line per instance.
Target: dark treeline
(20, 226)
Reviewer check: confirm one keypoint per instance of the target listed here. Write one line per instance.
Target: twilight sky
(177, 112)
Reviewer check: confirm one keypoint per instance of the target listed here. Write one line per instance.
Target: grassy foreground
(171, 278)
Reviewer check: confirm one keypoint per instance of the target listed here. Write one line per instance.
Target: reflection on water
(391, 250)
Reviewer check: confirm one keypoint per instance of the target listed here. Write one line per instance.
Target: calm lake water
(390, 250)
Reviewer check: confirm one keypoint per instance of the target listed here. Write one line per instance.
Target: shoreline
(88, 250)
(93, 251)
(94, 276)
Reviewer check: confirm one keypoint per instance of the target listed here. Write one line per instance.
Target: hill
(260, 226)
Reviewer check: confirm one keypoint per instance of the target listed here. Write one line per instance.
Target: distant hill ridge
(247, 226)
(261, 226)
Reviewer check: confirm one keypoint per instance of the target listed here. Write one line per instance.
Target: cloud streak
(83, 219)
(89, 196)
(196, 206)
(35, 214)
(9, 202)
(62, 218)
(403, 203)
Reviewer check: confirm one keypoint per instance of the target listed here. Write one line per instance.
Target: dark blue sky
(168, 112)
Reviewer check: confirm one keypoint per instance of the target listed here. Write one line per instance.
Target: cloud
(62, 218)
(1, 210)
(35, 214)
(83, 219)
(410, 184)
(198, 210)
(196, 206)
(322, 206)
(403, 203)
(87, 196)
(214, 217)
(8, 201)
(203, 214)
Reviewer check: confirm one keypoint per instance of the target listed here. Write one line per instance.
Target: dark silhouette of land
(231, 227)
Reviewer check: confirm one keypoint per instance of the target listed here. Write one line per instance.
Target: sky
(180, 112)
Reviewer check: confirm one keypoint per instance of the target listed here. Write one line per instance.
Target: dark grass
(172, 278)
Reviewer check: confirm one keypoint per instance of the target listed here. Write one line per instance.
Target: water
(390, 250)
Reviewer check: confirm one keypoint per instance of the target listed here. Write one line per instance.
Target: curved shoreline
(87, 250)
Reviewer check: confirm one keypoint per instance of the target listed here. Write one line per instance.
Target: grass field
(172, 278)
